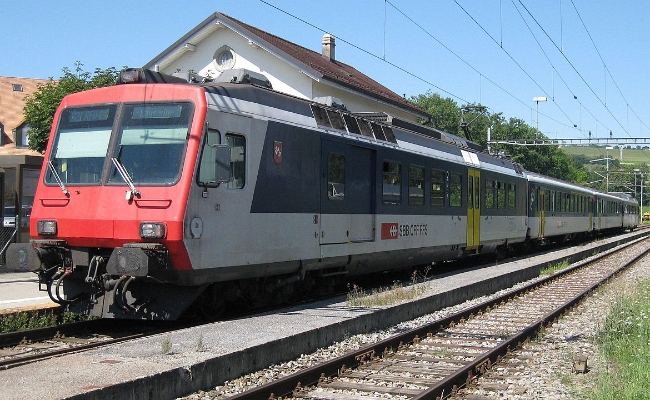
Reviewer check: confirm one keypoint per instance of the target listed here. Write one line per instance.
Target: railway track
(24, 347)
(434, 361)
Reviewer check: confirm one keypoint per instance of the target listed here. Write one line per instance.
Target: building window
(17, 87)
(21, 138)
(224, 58)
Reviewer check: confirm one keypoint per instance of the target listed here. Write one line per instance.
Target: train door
(541, 207)
(473, 209)
(590, 207)
(599, 212)
(347, 198)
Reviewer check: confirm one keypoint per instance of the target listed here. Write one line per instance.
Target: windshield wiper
(124, 174)
(64, 189)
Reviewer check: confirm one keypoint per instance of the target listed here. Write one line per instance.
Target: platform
(19, 292)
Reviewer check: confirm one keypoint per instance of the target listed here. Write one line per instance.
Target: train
(169, 192)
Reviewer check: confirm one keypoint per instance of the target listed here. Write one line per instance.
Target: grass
(625, 342)
(553, 268)
(36, 319)
(630, 156)
(396, 293)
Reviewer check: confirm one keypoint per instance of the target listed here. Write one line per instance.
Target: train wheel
(210, 304)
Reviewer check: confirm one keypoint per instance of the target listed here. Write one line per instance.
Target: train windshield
(147, 139)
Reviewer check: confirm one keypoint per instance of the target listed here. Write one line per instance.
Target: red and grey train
(161, 192)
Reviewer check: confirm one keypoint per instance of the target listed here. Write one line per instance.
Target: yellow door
(473, 209)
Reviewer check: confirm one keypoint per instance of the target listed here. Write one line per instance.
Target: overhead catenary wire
(480, 73)
(605, 65)
(574, 68)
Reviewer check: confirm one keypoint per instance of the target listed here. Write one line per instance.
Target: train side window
(455, 190)
(237, 145)
(489, 194)
(437, 188)
(392, 183)
(207, 172)
(416, 186)
(501, 195)
(512, 196)
(552, 201)
(336, 176)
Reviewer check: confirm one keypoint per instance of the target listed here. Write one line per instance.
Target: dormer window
(17, 87)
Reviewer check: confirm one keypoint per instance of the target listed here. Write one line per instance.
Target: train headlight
(46, 227)
(152, 230)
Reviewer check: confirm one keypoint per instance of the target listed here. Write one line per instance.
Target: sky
(589, 58)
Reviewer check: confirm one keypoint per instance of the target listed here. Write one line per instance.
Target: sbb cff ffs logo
(393, 230)
(389, 231)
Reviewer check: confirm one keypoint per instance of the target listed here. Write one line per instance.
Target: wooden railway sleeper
(366, 357)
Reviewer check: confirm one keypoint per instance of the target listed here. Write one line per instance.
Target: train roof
(558, 183)
(259, 99)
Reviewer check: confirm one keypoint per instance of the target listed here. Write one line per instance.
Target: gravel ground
(548, 374)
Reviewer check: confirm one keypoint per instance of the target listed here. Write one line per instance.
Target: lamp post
(636, 171)
(607, 149)
(642, 184)
(537, 100)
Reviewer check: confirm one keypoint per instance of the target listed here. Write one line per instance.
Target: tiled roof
(334, 71)
(12, 102)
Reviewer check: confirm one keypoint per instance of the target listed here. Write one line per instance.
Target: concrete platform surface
(19, 291)
(205, 356)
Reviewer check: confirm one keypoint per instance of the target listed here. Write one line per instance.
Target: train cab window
(237, 161)
(80, 145)
(392, 183)
(489, 194)
(416, 186)
(336, 176)
(149, 133)
(455, 190)
(437, 188)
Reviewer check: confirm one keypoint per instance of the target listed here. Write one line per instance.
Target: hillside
(630, 156)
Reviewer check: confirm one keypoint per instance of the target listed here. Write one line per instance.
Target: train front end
(107, 220)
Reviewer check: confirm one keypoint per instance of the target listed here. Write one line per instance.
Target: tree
(547, 160)
(40, 107)
(444, 111)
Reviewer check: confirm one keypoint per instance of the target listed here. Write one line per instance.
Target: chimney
(328, 47)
